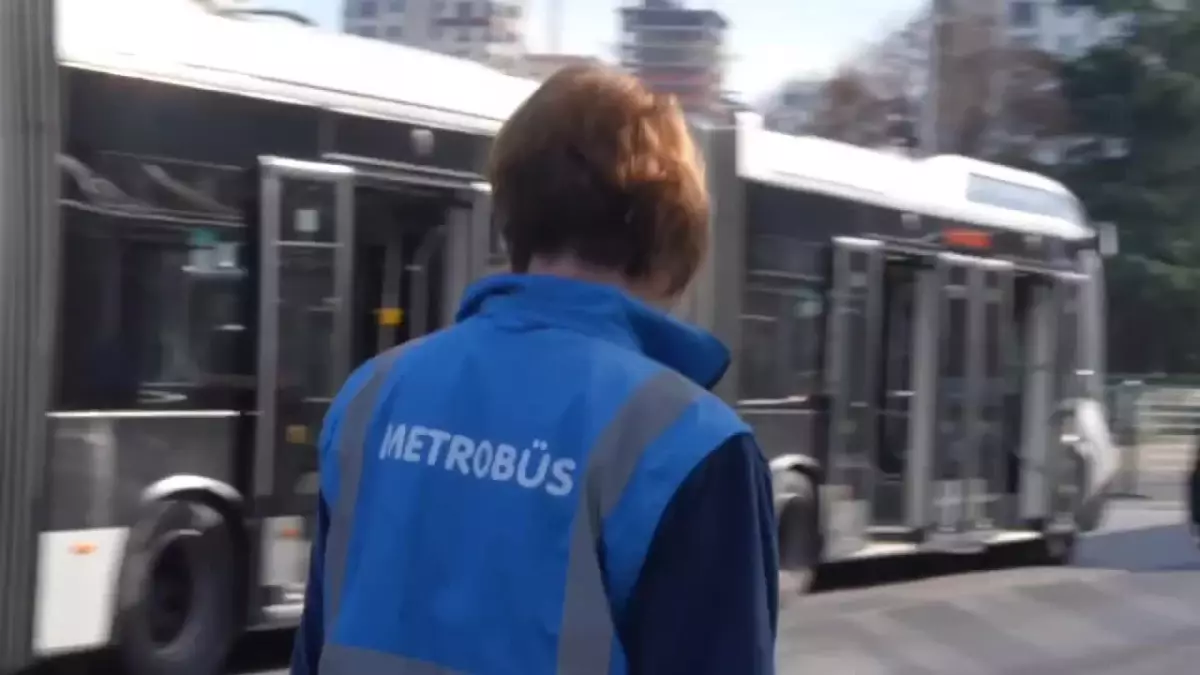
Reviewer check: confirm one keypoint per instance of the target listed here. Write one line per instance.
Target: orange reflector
(83, 548)
(967, 238)
(391, 316)
(290, 533)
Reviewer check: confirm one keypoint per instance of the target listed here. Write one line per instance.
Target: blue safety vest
(495, 487)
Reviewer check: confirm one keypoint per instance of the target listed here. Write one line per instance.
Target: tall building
(490, 31)
(676, 50)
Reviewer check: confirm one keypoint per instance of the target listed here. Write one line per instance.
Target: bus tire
(176, 596)
(1056, 548)
(1057, 545)
(799, 531)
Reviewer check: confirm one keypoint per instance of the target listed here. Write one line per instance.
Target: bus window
(899, 287)
(952, 374)
(782, 341)
(1019, 353)
(153, 286)
(896, 395)
(1067, 351)
(760, 328)
(999, 381)
(783, 310)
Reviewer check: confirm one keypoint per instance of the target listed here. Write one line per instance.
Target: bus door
(967, 451)
(419, 241)
(1069, 381)
(305, 263)
(398, 262)
(852, 376)
(1045, 479)
(306, 233)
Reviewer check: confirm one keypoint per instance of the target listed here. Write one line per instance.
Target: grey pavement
(1129, 606)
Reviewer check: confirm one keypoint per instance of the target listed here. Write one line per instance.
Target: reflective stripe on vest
(586, 635)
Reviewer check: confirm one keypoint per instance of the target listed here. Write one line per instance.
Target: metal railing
(1156, 423)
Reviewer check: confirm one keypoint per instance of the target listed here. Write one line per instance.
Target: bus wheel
(1058, 543)
(176, 593)
(799, 537)
(1056, 548)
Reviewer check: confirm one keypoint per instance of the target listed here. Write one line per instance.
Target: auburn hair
(596, 166)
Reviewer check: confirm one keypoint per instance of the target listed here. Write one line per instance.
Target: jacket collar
(602, 311)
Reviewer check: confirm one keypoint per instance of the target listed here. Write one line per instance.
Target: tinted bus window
(154, 295)
(787, 278)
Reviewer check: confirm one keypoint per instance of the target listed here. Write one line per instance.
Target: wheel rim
(169, 598)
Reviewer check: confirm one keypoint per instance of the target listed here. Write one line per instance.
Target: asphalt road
(1129, 606)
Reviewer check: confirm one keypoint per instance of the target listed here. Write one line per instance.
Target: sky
(770, 40)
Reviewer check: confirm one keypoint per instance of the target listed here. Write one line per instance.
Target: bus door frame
(955, 512)
(1046, 495)
(853, 413)
(462, 239)
(464, 235)
(275, 174)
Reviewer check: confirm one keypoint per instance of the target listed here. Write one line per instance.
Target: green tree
(1133, 157)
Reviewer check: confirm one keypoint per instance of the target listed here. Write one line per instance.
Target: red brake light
(962, 238)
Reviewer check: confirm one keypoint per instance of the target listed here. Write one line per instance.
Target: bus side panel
(154, 348)
(785, 291)
(100, 465)
(29, 121)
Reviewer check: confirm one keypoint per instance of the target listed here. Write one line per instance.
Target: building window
(1022, 13)
(366, 31)
(438, 6)
(397, 5)
(368, 9)
(464, 34)
(395, 32)
(463, 9)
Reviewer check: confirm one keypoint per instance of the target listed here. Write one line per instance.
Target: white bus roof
(178, 41)
(964, 166)
(946, 186)
(983, 192)
(820, 165)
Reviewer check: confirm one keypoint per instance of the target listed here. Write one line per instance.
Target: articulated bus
(245, 211)
(920, 347)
